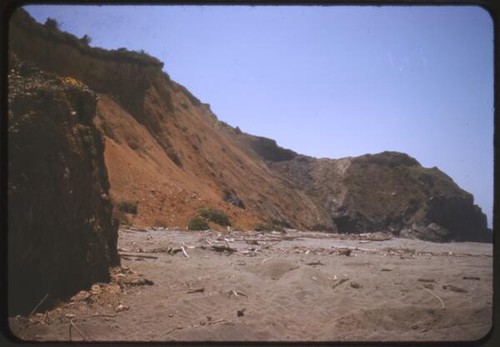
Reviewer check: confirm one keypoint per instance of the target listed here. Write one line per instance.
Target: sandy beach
(292, 286)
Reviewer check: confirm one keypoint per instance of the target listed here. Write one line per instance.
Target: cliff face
(61, 237)
(167, 152)
(390, 191)
(125, 75)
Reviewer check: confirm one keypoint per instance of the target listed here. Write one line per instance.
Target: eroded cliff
(166, 151)
(61, 236)
(390, 191)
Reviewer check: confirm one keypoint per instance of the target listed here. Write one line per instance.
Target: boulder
(432, 232)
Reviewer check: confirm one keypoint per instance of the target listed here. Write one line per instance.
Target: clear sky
(326, 81)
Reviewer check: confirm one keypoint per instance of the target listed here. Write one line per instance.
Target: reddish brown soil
(140, 171)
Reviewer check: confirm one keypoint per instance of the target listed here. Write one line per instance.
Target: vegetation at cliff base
(197, 223)
(216, 216)
(127, 207)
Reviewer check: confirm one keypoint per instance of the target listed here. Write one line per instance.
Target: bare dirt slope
(201, 164)
(298, 286)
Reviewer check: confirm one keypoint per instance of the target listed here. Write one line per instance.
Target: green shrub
(197, 223)
(86, 40)
(216, 216)
(266, 227)
(121, 217)
(127, 207)
(51, 24)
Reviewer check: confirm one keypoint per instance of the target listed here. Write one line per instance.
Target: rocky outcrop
(268, 149)
(61, 237)
(390, 191)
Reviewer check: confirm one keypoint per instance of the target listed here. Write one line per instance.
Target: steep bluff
(61, 237)
(390, 191)
(167, 153)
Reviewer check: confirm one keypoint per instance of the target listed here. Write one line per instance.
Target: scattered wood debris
(72, 325)
(221, 248)
(171, 331)
(197, 290)
(314, 263)
(426, 280)
(454, 288)
(121, 308)
(184, 251)
(342, 280)
(236, 293)
(104, 315)
(130, 255)
(437, 297)
(135, 229)
(38, 305)
(267, 259)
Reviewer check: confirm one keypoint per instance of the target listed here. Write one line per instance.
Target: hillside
(167, 154)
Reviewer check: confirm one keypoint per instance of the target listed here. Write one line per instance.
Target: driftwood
(345, 251)
(38, 305)
(198, 290)
(134, 229)
(71, 324)
(222, 320)
(137, 255)
(220, 249)
(104, 315)
(171, 331)
(342, 280)
(236, 293)
(250, 252)
(428, 280)
(184, 251)
(454, 288)
(267, 259)
(315, 263)
(269, 239)
(269, 246)
(471, 278)
(219, 321)
(437, 297)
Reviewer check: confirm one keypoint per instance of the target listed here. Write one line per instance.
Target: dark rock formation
(268, 149)
(389, 191)
(231, 197)
(61, 237)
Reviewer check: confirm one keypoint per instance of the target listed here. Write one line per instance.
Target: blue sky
(326, 81)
